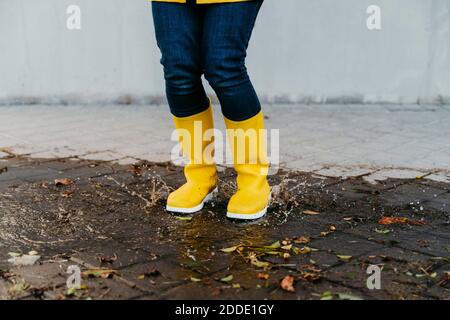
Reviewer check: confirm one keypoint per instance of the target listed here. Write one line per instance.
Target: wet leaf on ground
(63, 182)
(257, 263)
(183, 218)
(346, 296)
(382, 231)
(287, 284)
(263, 276)
(344, 257)
(227, 278)
(99, 273)
(399, 220)
(302, 240)
(194, 279)
(311, 212)
(230, 249)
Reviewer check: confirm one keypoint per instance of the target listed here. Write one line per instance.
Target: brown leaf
(331, 229)
(311, 212)
(99, 273)
(67, 194)
(263, 276)
(399, 220)
(287, 284)
(108, 259)
(302, 240)
(63, 182)
(310, 276)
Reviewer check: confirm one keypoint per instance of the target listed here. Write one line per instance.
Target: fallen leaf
(227, 278)
(67, 194)
(63, 182)
(304, 250)
(70, 292)
(254, 261)
(14, 254)
(287, 284)
(344, 258)
(99, 273)
(230, 249)
(311, 212)
(193, 279)
(302, 240)
(399, 220)
(236, 285)
(327, 295)
(345, 296)
(263, 276)
(310, 276)
(274, 245)
(382, 231)
(184, 218)
(331, 229)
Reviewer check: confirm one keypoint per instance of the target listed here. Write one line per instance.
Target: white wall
(302, 50)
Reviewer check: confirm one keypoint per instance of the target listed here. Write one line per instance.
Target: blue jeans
(209, 40)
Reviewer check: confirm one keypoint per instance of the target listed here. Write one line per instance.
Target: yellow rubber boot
(200, 172)
(248, 144)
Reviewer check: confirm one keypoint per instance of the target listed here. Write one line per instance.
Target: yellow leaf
(227, 278)
(193, 279)
(344, 258)
(230, 249)
(311, 212)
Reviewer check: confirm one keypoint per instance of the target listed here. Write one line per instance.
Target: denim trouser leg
(226, 33)
(179, 30)
(210, 40)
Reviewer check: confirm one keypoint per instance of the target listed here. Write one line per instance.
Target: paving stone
(97, 222)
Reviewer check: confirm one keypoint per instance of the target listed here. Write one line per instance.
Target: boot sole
(208, 198)
(253, 216)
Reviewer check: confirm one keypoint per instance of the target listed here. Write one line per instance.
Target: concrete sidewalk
(377, 141)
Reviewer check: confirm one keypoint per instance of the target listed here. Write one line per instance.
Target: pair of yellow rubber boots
(248, 145)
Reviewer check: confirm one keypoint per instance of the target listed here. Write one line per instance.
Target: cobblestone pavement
(321, 232)
(334, 140)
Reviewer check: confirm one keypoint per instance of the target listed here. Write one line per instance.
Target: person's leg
(178, 30)
(227, 30)
(226, 33)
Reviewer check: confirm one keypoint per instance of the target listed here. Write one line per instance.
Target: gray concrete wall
(302, 50)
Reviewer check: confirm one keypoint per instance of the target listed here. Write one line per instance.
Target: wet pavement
(318, 240)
